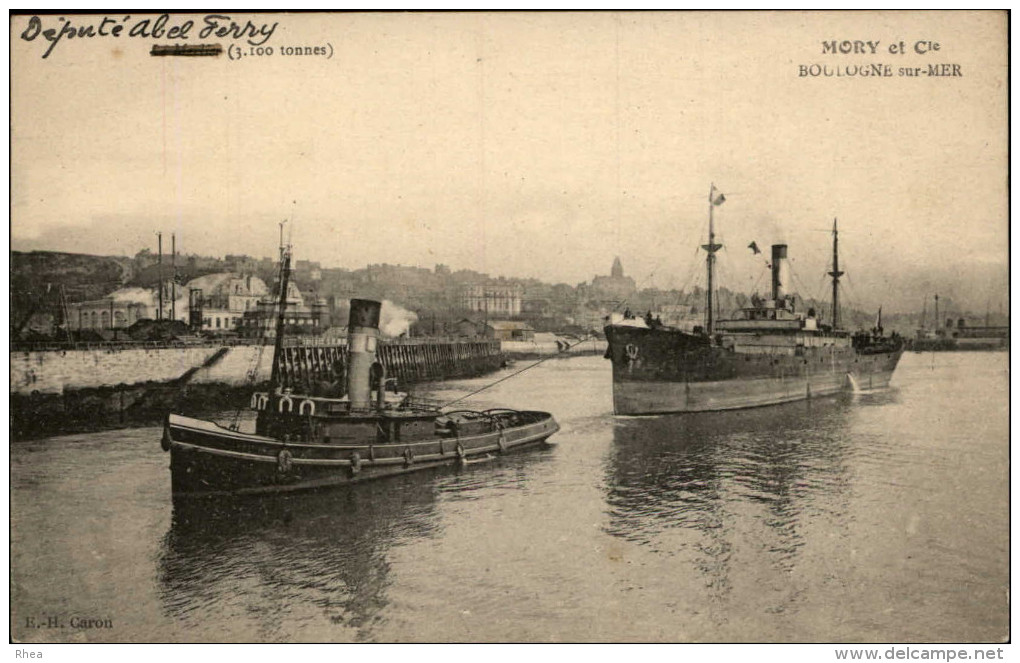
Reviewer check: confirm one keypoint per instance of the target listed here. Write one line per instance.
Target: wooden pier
(305, 368)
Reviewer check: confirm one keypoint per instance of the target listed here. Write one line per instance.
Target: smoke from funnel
(134, 296)
(395, 320)
(150, 299)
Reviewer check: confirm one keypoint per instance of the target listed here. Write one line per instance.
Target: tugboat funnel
(362, 338)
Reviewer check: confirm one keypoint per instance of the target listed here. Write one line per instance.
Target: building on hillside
(224, 298)
(126, 306)
(613, 288)
(308, 270)
(107, 313)
(299, 318)
(242, 264)
(502, 299)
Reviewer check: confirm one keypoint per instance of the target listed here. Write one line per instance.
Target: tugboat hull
(207, 459)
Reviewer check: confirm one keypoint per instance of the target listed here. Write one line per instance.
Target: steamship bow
(311, 441)
(766, 354)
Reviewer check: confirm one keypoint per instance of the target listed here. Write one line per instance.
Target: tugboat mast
(711, 248)
(274, 380)
(835, 274)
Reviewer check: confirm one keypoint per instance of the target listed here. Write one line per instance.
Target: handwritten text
(161, 27)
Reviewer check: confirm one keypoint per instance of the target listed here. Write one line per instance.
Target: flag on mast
(754, 247)
(716, 197)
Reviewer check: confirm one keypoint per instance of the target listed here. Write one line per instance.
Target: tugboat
(766, 354)
(312, 441)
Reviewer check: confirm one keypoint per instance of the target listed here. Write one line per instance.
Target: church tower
(617, 272)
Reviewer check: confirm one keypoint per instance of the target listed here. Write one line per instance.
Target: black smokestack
(779, 271)
(364, 313)
(362, 339)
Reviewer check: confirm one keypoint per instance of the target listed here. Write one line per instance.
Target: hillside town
(61, 297)
(91, 297)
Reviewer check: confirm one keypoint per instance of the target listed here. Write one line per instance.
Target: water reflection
(700, 486)
(323, 553)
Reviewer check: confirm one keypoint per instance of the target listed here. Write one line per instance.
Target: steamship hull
(209, 460)
(659, 371)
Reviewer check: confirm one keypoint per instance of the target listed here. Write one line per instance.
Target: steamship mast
(835, 274)
(711, 249)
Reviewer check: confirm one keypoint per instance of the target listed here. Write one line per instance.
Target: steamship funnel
(780, 271)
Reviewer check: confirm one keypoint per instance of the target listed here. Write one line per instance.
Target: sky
(534, 145)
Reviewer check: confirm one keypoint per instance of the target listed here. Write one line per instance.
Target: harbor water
(870, 517)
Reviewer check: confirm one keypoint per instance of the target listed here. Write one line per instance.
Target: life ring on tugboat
(289, 401)
(284, 461)
(632, 351)
(355, 463)
(461, 454)
(501, 441)
(408, 457)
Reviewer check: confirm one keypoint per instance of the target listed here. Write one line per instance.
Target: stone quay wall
(57, 371)
(71, 390)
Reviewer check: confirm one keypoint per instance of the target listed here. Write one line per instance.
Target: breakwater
(71, 390)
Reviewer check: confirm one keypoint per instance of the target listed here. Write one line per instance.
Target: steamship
(765, 354)
(312, 441)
